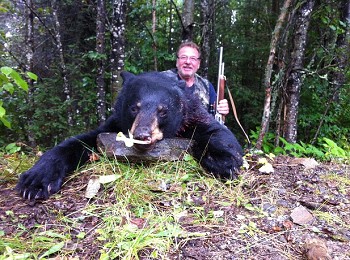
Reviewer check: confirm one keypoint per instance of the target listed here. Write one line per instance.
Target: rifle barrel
(220, 74)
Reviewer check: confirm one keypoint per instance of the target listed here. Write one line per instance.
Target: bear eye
(135, 108)
(162, 111)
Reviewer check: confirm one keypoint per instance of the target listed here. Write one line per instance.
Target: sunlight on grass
(149, 202)
(148, 210)
(38, 243)
(11, 165)
(125, 235)
(136, 220)
(330, 218)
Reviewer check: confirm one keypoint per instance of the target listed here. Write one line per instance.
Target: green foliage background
(243, 28)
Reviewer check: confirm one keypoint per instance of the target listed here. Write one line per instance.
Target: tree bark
(154, 28)
(29, 67)
(268, 72)
(118, 44)
(294, 77)
(188, 20)
(207, 13)
(66, 86)
(170, 35)
(100, 48)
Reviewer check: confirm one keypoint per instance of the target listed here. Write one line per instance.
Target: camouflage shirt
(201, 86)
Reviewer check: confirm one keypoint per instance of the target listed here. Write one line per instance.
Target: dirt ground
(321, 230)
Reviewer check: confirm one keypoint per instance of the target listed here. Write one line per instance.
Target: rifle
(220, 88)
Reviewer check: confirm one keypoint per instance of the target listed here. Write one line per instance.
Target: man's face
(187, 62)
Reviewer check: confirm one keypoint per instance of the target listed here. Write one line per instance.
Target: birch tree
(294, 75)
(268, 72)
(66, 86)
(118, 43)
(207, 16)
(154, 28)
(100, 48)
(29, 40)
(188, 20)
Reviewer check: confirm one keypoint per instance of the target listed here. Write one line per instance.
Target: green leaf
(5, 122)
(342, 24)
(12, 148)
(52, 234)
(19, 81)
(9, 87)
(329, 142)
(32, 76)
(3, 79)
(279, 150)
(6, 70)
(81, 235)
(2, 111)
(53, 249)
(332, 27)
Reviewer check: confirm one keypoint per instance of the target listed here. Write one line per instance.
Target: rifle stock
(221, 94)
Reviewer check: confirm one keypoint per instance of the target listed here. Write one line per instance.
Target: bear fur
(152, 107)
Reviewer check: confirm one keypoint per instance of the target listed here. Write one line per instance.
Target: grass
(140, 212)
(146, 213)
(13, 164)
(152, 210)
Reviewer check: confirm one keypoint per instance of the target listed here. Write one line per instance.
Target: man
(187, 64)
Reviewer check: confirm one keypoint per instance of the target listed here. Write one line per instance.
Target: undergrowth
(152, 209)
(324, 149)
(139, 213)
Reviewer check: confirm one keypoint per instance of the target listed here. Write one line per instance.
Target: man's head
(188, 59)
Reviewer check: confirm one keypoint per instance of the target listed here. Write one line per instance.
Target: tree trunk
(66, 87)
(118, 44)
(154, 28)
(29, 67)
(188, 20)
(207, 7)
(100, 48)
(170, 35)
(294, 77)
(268, 72)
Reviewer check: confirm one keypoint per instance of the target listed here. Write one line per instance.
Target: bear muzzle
(152, 136)
(144, 129)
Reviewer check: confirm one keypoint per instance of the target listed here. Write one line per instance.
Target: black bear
(151, 107)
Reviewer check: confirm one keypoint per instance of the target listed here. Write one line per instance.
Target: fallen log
(169, 149)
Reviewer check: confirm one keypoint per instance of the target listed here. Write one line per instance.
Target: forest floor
(299, 211)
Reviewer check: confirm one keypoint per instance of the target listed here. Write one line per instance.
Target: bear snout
(143, 134)
(146, 128)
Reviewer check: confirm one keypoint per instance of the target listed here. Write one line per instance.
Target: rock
(308, 163)
(316, 249)
(269, 208)
(170, 149)
(301, 216)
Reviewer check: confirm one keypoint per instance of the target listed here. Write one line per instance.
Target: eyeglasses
(185, 58)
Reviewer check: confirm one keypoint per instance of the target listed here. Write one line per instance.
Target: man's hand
(223, 107)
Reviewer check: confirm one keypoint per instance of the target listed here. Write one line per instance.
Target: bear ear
(126, 75)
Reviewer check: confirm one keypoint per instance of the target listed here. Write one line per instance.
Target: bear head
(152, 107)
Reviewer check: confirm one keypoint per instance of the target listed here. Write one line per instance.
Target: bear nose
(142, 133)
